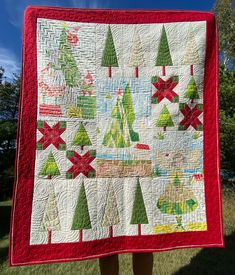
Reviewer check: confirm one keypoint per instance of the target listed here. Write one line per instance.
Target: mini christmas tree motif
(137, 55)
(191, 54)
(81, 218)
(165, 119)
(50, 168)
(177, 200)
(81, 138)
(67, 61)
(117, 134)
(191, 90)
(109, 58)
(111, 215)
(129, 112)
(139, 215)
(51, 221)
(164, 56)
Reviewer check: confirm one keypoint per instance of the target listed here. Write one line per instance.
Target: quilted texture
(118, 138)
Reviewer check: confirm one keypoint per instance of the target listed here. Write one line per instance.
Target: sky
(11, 18)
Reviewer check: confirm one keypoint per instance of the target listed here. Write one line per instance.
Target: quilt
(118, 135)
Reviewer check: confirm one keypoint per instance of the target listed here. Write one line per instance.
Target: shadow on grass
(213, 260)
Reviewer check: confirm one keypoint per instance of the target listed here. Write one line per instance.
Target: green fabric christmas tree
(139, 215)
(81, 218)
(129, 112)
(67, 62)
(109, 58)
(191, 90)
(164, 55)
(165, 119)
(81, 138)
(177, 199)
(50, 168)
(117, 134)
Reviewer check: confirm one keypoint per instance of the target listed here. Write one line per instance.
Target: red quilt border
(20, 252)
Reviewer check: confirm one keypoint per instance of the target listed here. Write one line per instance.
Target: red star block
(190, 117)
(165, 89)
(81, 164)
(51, 135)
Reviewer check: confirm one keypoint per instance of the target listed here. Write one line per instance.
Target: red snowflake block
(165, 89)
(81, 164)
(190, 116)
(51, 135)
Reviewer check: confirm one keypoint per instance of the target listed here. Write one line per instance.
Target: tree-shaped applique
(139, 214)
(109, 58)
(165, 119)
(177, 199)
(81, 218)
(67, 61)
(190, 117)
(191, 56)
(51, 135)
(165, 89)
(128, 107)
(111, 214)
(50, 168)
(117, 134)
(50, 220)
(164, 56)
(191, 90)
(81, 138)
(137, 55)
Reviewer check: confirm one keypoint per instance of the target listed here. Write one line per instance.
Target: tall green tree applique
(50, 168)
(191, 90)
(67, 61)
(51, 221)
(111, 214)
(128, 106)
(117, 134)
(165, 119)
(109, 58)
(191, 56)
(164, 56)
(139, 214)
(81, 138)
(81, 218)
(137, 55)
(177, 199)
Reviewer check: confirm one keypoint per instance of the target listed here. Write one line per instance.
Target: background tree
(9, 98)
(109, 58)
(81, 138)
(111, 215)
(139, 214)
(163, 56)
(81, 218)
(225, 17)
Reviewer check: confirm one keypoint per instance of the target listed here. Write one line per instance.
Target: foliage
(9, 97)
(164, 55)
(81, 138)
(191, 90)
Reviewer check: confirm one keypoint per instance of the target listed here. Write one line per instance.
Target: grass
(191, 261)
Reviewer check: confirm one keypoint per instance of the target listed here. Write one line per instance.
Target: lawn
(182, 261)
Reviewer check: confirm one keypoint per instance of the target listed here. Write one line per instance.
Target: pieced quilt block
(120, 117)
